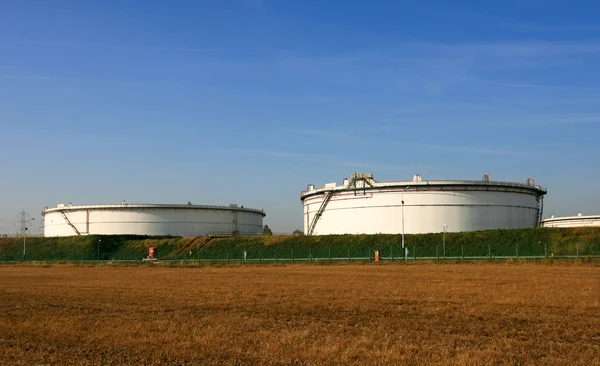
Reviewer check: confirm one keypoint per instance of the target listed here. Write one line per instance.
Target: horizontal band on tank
(124, 207)
(155, 222)
(428, 205)
(423, 186)
(350, 195)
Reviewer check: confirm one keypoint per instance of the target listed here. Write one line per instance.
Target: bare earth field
(459, 314)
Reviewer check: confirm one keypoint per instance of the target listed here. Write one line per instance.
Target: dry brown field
(453, 314)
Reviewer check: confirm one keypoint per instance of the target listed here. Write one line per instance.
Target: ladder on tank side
(202, 244)
(540, 200)
(64, 215)
(319, 213)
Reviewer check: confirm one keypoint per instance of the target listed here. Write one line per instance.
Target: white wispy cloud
(554, 27)
(108, 46)
(426, 67)
(332, 159)
(258, 4)
(465, 149)
(417, 52)
(329, 134)
(386, 167)
(539, 86)
(471, 149)
(86, 80)
(322, 159)
(223, 53)
(434, 56)
(267, 153)
(508, 49)
(434, 68)
(583, 118)
(461, 149)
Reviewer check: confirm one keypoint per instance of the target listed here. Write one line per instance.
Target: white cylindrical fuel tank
(365, 206)
(148, 219)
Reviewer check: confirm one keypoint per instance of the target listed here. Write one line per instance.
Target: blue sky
(248, 101)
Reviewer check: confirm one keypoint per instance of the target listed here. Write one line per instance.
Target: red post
(152, 253)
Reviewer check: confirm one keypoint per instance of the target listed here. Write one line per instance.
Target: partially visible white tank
(572, 221)
(364, 206)
(148, 219)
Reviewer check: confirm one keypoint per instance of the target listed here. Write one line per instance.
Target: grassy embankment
(557, 241)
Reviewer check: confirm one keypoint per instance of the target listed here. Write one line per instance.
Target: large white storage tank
(362, 205)
(572, 221)
(149, 219)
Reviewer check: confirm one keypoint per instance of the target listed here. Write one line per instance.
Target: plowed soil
(454, 314)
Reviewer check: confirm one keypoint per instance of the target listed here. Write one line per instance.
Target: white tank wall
(146, 221)
(582, 221)
(424, 212)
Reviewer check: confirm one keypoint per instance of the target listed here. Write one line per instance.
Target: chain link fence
(439, 253)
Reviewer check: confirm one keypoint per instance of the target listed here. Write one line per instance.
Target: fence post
(490, 251)
(545, 251)
(462, 251)
(259, 257)
(414, 253)
(292, 250)
(227, 253)
(444, 251)
(517, 246)
(329, 254)
(577, 248)
(369, 254)
(348, 254)
(437, 252)
(310, 254)
(275, 255)
(392, 252)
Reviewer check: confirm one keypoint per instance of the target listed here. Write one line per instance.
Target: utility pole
(24, 220)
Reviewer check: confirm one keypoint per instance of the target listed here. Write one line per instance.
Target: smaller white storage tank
(150, 219)
(572, 221)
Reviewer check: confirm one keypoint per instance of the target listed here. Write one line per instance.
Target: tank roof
(417, 184)
(125, 206)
